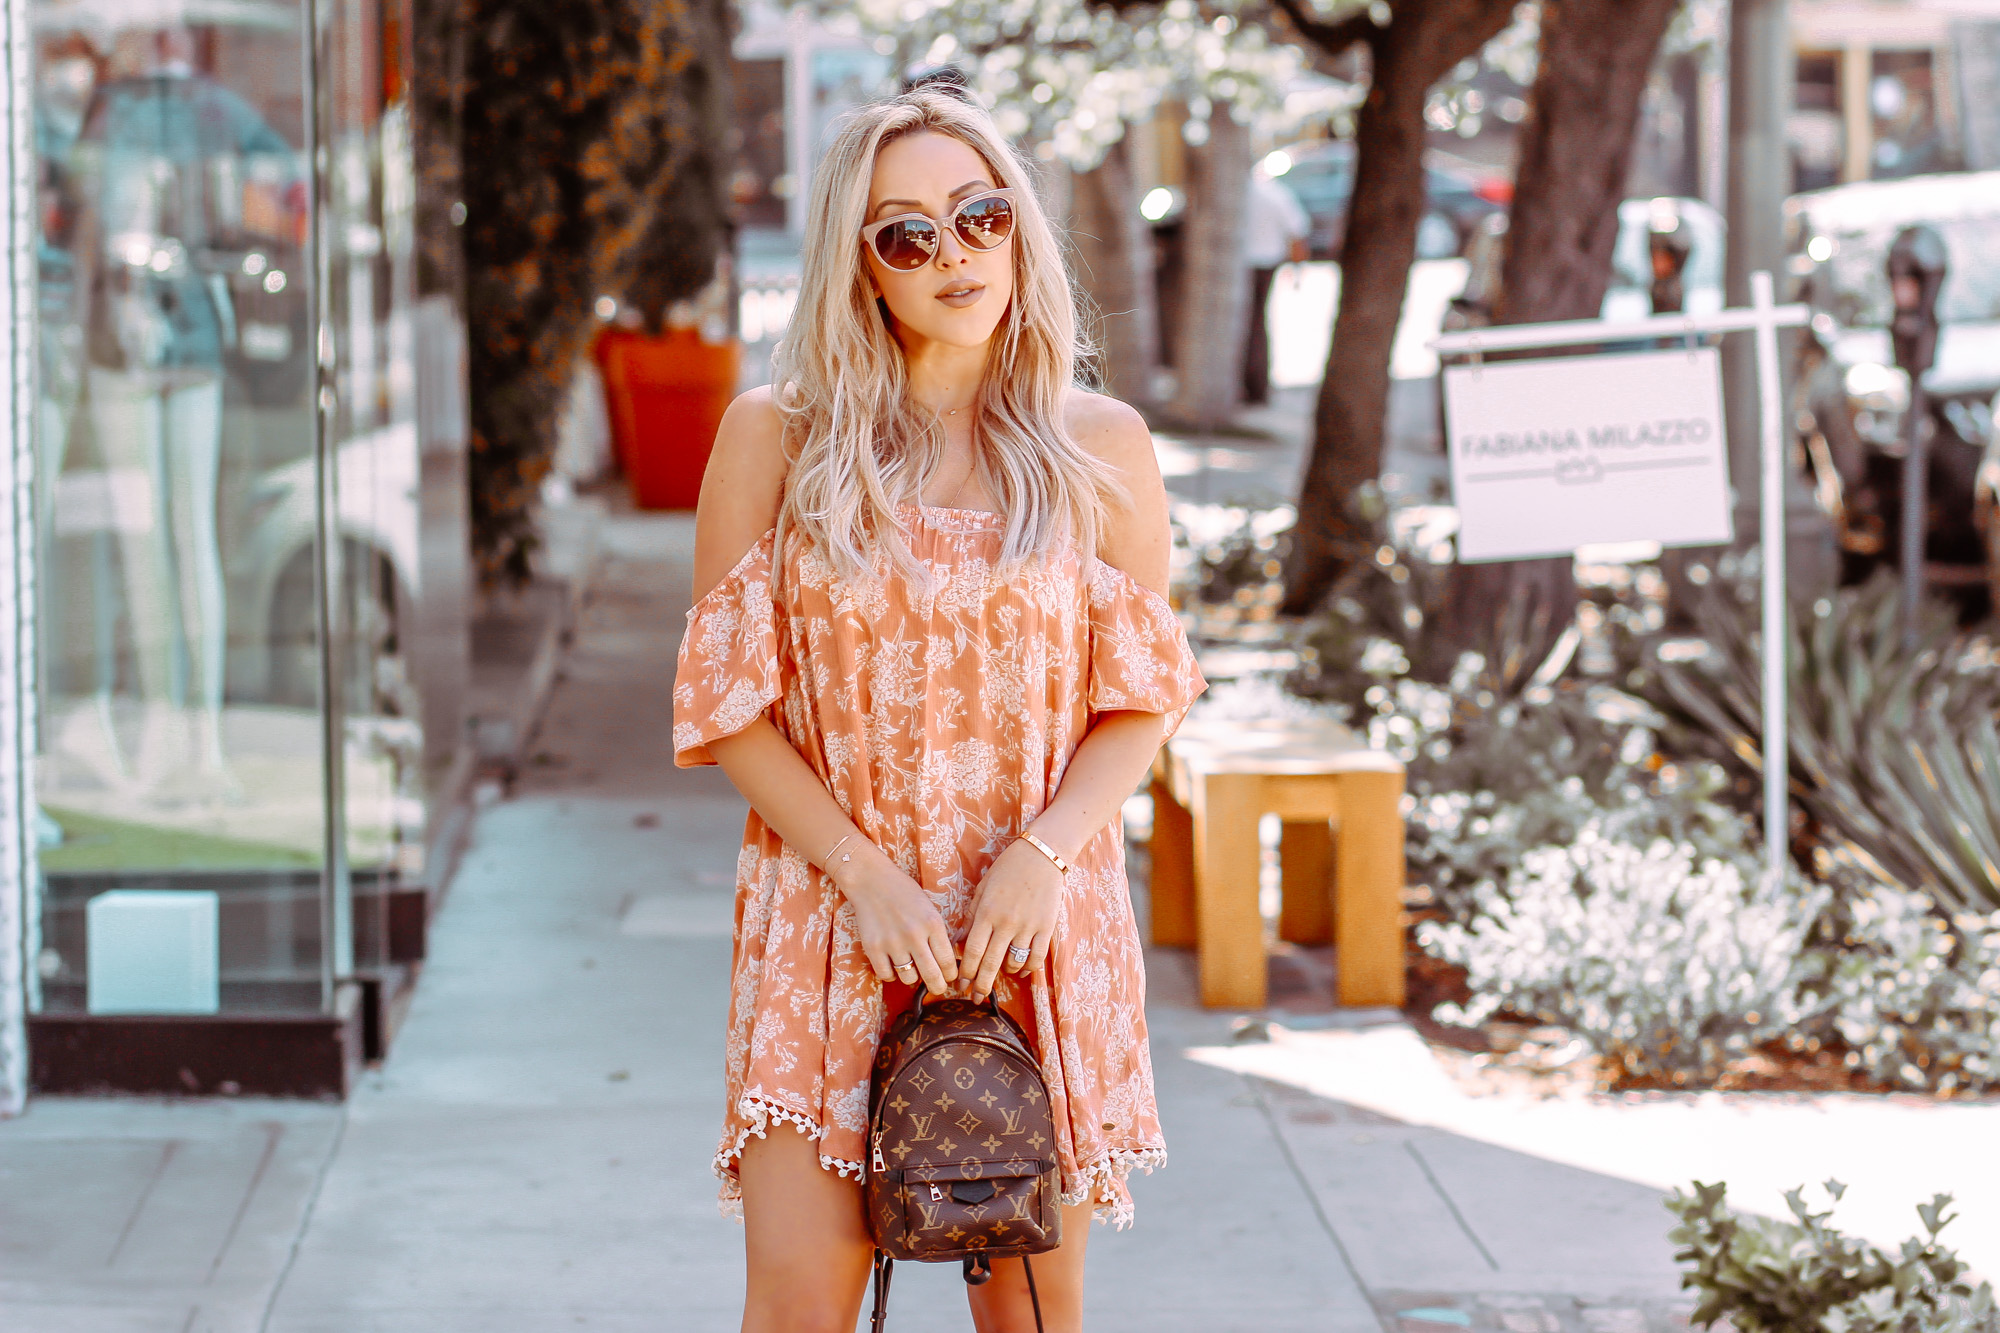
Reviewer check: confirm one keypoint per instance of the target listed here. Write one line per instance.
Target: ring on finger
(1018, 955)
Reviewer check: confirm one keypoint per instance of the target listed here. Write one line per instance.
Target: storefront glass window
(222, 525)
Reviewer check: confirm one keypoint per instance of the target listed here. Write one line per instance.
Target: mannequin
(159, 165)
(66, 77)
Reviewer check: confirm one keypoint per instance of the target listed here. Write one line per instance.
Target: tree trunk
(1114, 253)
(1215, 284)
(1421, 43)
(1576, 153)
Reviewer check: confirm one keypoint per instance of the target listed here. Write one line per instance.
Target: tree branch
(1334, 38)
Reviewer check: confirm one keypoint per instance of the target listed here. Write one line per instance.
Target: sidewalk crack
(1312, 1196)
(167, 1153)
(305, 1222)
(1452, 1204)
(272, 1133)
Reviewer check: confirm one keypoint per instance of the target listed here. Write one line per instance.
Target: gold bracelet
(1045, 850)
(826, 862)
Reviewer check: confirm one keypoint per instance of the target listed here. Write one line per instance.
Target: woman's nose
(951, 250)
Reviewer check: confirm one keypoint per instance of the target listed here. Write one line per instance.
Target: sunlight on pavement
(1894, 1153)
(1301, 319)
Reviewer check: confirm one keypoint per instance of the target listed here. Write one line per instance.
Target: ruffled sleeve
(728, 672)
(1140, 660)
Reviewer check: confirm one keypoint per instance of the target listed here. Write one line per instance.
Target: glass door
(368, 398)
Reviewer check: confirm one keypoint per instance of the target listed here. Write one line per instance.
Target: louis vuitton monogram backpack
(961, 1145)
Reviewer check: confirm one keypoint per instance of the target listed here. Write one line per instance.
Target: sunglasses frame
(871, 231)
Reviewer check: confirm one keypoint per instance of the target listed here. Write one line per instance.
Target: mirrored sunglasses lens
(984, 223)
(907, 244)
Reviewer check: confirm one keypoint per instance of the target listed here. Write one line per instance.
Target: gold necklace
(972, 470)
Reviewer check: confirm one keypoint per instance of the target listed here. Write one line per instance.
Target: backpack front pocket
(971, 1206)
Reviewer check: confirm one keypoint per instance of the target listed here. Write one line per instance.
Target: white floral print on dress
(942, 719)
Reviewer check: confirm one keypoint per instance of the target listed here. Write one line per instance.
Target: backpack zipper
(876, 1161)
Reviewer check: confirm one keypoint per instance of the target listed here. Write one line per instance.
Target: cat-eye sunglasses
(908, 241)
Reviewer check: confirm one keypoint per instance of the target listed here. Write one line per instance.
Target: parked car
(1321, 175)
(271, 572)
(1854, 397)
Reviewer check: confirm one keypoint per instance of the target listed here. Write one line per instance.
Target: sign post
(1634, 453)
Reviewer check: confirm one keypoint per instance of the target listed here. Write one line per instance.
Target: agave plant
(1893, 749)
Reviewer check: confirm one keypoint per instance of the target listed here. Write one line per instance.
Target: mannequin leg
(125, 412)
(193, 445)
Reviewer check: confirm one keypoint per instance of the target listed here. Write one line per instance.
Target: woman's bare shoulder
(1110, 428)
(1137, 537)
(742, 486)
(753, 419)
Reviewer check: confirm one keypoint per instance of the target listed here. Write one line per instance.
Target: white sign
(1553, 454)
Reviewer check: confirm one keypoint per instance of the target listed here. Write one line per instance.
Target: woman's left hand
(1017, 904)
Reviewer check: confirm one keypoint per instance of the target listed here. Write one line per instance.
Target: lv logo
(1020, 1201)
(922, 1124)
(930, 1211)
(1012, 1114)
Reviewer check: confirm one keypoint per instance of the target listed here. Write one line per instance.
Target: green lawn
(91, 842)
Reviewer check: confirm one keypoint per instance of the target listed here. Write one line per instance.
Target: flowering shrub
(1673, 957)
(1916, 1002)
(1491, 779)
(1670, 958)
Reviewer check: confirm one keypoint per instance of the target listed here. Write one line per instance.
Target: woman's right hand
(897, 922)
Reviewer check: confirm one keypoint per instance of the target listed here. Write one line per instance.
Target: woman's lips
(962, 294)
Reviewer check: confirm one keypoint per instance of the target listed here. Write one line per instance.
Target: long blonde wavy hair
(859, 446)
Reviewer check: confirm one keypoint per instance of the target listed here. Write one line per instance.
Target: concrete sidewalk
(534, 1154)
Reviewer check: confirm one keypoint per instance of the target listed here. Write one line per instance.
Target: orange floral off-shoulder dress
(941, 718)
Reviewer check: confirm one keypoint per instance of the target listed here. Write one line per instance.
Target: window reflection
(190, 511)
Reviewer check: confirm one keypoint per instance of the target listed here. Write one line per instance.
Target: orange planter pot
(665, 396)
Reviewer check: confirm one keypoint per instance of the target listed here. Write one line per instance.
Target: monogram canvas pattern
(962, 1143)
(941, 714)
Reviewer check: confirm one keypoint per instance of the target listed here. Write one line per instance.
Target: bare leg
(1002, 1304)
(805, 1239)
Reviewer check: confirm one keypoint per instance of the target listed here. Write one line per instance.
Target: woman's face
(960, 294)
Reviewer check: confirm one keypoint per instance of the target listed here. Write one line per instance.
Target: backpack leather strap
(878, 1319)
(1028, 1267)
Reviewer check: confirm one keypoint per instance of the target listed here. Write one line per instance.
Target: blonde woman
(930, 648)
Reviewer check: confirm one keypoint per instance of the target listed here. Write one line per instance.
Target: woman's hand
(1017, 904)
(900, 929)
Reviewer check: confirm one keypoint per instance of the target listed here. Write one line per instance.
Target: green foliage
(577, 121)
(691, 222)
(1893, 752)
(1397, 598)
(1804, 1276)
(1576, 864)
(1496, 782)
(1672, 958)
(1504, 753)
